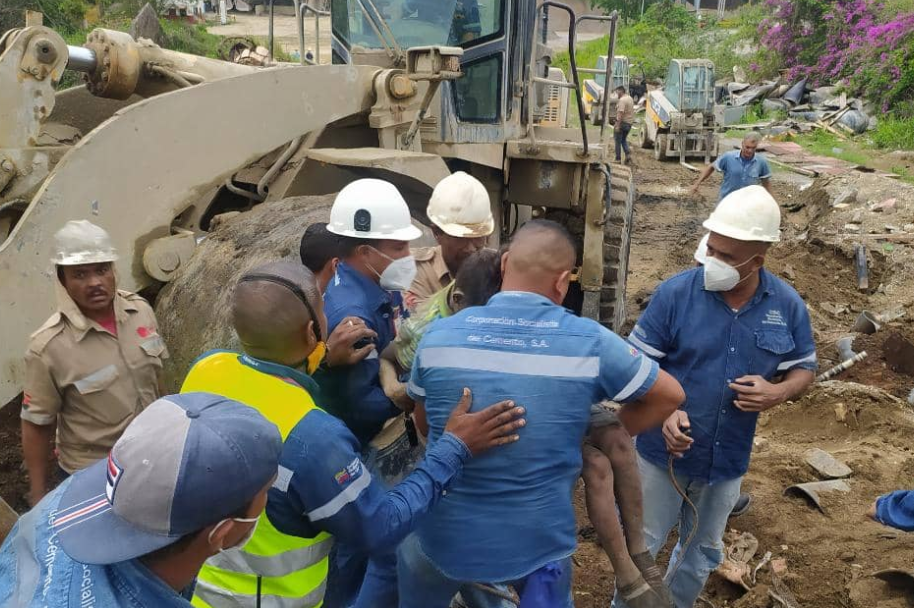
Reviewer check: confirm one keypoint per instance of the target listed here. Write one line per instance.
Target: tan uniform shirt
(88, 381)
(432, 276)
(625, 109)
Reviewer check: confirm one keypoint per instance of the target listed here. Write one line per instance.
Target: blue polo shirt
(739, 172)
(510, 512)
(699, 340)
(353, 393)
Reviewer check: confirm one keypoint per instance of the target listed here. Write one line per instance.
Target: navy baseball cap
(186, 462)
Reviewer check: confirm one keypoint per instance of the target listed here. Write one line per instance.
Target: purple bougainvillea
(856, 43)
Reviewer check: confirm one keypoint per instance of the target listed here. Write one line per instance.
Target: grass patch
(823, 143)
(894, 133)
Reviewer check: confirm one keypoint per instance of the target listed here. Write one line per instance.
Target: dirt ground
(860, 418)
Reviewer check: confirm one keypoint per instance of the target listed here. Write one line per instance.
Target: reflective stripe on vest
(293, 570)
(208, 595)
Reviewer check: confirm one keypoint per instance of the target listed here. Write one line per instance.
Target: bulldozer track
(617, 234)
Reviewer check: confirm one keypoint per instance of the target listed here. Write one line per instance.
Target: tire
(660, 147)
(643, 140)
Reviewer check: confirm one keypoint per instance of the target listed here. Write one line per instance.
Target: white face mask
(720, 276)
(399, 274)
(244, 540)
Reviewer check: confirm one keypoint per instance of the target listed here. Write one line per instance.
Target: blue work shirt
(36, 572)
(511, 513)
(699, 340)
(896, 509)
(353, 393)
(739, 172)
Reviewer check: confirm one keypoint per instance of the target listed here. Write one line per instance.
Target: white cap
(372, 209)
(701, 252)
(747, 214)
(460, 207)
(82, 242)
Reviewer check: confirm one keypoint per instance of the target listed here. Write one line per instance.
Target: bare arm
(393, 388)
(705, 174)
(37, 448)
(766, 183)
(654, 407)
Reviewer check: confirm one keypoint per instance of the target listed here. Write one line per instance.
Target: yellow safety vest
(292, 571)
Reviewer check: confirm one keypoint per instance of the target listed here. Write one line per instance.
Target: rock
(886, 206)
(846, 196)
(774, 105)
(146, 25)
(848, 556)
(739, 74)
(840, 412)
(761, 444)
(852, 228)
(790, 273)
(855, 120)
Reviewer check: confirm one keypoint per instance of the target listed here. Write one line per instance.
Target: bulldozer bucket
(138, 170)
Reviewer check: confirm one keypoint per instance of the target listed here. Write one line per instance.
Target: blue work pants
(664, 508)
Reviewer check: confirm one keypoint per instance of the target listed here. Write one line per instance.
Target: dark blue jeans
(620, 133)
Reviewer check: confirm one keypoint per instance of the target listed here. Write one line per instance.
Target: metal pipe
(81, 59)
(301, 31)
(263, 184)
(307, 8)
(610, 61)
(270, 32)
(241, 191)
(572, 40)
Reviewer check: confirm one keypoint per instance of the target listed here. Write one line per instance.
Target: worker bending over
(92, 366)
(461, 217)
(725, 330)
(509, 519)
(320, 252)
(741, 168)
(187, 480)
(323, 487)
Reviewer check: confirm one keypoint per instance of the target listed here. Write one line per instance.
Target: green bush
(894, 133)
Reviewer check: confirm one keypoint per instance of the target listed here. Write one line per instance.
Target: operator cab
(496, 38)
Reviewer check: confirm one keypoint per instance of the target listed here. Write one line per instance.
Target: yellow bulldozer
(158, 147)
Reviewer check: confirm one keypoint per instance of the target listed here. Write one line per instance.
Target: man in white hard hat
(374, 227)
(740, 342)
(462, 221)
(92, 367)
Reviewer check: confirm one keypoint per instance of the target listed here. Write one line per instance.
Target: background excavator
(150, 150)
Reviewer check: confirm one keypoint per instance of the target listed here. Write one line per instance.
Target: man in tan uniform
(461, 222)
(92, 367)
(625, 117)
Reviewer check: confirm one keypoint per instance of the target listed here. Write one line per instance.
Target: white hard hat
(82, 242)
(372, 209)
(747, 214)
(701, 252)
(460, 207)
